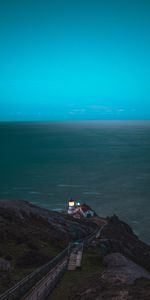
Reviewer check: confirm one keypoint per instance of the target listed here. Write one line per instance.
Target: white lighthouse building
(71, 207)
(78, 210)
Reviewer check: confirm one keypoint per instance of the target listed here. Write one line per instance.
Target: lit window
(71, 203)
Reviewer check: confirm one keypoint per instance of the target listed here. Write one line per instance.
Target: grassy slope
(73, 281)
(27, 244)
(30, 241)
(74, 284)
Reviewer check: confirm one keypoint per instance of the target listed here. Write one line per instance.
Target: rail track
(40, 283)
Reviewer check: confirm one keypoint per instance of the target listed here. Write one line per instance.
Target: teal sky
(74, 59)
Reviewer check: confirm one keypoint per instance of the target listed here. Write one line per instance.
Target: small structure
(71, 207)
(79, 210)
(86, 211)
(75, 258)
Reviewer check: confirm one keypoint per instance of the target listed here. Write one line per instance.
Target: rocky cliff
(30, 236)
(118, 236)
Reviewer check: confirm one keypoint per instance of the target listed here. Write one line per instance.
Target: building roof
(86, 208)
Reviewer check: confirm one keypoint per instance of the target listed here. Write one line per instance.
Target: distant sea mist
(105, 164)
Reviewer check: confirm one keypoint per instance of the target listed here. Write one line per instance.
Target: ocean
(105, 164)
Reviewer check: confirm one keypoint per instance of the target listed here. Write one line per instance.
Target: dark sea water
(105, 164)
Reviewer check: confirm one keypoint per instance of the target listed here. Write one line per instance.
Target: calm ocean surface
(105, 164)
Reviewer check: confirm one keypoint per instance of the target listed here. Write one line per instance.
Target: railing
(91, 236)
(17, 291)
(23, 286)
(45, 286)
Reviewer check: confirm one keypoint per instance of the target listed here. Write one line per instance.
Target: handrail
(33, 277)
(22, 287)
(91, 235)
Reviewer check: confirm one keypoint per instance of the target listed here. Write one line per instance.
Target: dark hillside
(30, 236)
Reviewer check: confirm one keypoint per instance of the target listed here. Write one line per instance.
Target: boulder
(5, 265)
(122, 270)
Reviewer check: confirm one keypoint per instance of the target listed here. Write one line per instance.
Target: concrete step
(75, 258)
(71, 268)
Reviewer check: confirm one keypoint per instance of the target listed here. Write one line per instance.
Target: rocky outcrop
(123, 256)
(140, 290)
(5, 265)
(63, 224)
(117, 236)
(122, 279)
(30, 236)
(122, 270)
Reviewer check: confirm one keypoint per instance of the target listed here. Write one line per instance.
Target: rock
(41, 230)
(117, 236)
(117, 295)
(63, 224)
(122, 270)
(5, 265)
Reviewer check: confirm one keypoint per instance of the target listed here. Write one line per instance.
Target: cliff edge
(116, 264)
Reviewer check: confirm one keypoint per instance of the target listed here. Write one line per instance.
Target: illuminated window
(71, 203)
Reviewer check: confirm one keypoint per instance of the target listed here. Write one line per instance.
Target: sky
(74, 60)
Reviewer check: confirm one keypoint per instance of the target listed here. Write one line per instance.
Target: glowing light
(71, 203)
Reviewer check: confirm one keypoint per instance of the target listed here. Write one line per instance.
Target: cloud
(100, 107)
(76, 111)
(120, 110)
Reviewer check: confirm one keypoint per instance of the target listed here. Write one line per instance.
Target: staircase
(75, 257)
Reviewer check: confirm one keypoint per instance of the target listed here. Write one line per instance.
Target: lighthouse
(71, 206)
